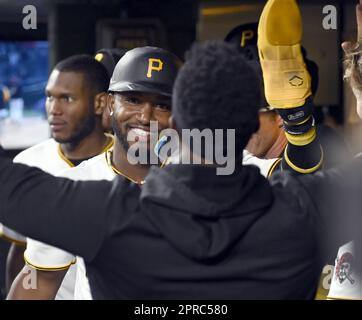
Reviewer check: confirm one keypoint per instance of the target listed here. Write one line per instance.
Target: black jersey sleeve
(71, 215)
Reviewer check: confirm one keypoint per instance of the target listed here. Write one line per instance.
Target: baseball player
(135, 100)
(76, 97)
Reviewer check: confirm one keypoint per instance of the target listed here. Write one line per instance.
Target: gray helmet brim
(140, 87)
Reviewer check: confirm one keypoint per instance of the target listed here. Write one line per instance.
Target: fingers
(351, 47)
(359, 21)
(347, 46)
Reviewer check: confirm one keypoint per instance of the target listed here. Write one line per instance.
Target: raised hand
(354, 47)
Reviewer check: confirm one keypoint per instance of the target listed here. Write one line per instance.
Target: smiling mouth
(139, 135)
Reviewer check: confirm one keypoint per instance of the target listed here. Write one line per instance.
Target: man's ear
(100, 103)
(110, 103)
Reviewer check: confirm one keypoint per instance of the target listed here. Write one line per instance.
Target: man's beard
(122, 138)
(87, 127)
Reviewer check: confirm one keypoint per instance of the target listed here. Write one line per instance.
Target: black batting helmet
(146, 69)
(109, 57)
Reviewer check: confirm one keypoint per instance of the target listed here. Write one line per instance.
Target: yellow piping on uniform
(71, 164)
(273, 167)
(57, 268)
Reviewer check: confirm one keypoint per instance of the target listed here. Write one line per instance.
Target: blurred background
(67, 27)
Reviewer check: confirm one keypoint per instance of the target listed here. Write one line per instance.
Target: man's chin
(60, 138)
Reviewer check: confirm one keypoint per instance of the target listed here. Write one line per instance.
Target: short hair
(217, 88)
(95, 75)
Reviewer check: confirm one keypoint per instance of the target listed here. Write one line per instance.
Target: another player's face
(133, 111)
(265, 137)
(70, 107)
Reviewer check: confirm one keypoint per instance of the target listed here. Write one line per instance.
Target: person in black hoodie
(189, 233)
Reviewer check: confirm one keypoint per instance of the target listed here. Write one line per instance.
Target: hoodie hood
(201, 214)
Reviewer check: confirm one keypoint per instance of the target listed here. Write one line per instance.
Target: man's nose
(146, 114)
(54, 107)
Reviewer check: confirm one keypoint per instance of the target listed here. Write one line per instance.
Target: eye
(68, 99)
(49, 98)
(163, 107)
(132, 100)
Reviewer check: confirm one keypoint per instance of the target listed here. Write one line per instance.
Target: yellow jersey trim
(45, 268)
(271, 169)
(71, 164)
(108, 156)
(64, 158)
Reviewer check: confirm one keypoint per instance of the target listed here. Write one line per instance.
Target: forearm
(31, 199)
(303, 153)
(32, 284)
(14, 263)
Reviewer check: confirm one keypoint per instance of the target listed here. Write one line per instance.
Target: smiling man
(76, 97)
(137, 97)
(140, 92)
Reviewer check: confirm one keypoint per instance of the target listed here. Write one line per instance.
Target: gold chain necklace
(109, 155)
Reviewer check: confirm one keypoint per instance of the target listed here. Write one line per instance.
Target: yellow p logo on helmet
(153, 64)
(99, 56)
(245, 36)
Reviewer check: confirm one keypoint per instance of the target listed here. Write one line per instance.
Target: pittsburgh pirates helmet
(146, 69)
(109, 57)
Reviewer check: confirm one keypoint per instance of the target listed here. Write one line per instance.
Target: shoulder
(95, 168)
(34, 153)
(265, 165)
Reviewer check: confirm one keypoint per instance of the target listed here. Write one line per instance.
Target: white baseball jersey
(346, 283)
(266, 166)
(44, 256)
